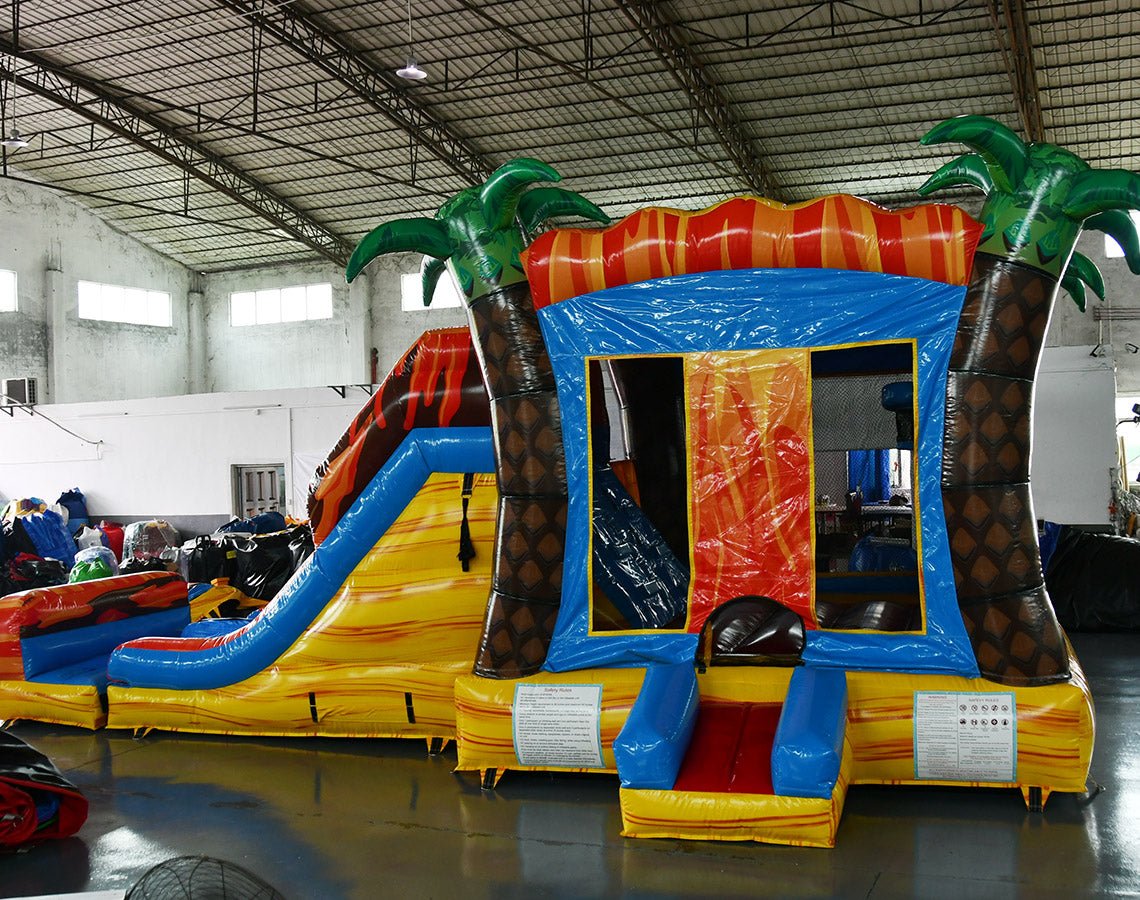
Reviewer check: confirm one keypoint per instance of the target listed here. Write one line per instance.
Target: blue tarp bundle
(49, 535)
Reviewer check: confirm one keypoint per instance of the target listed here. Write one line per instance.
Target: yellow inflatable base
(484, 736)
(1054, 742)
(767, 818)
(60, 704)
(384, 702)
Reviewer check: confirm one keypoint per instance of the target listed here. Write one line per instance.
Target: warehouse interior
(181, 188)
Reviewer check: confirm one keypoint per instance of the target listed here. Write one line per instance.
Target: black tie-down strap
(466, 546)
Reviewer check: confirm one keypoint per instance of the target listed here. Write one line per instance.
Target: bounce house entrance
(866, 539)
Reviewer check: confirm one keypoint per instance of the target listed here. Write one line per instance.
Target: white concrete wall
(1071, 328)
(170, 456)
(394, 331)
(58, 243)
(366, 314)
(287, 354)
(1074, 453)
(52, 244)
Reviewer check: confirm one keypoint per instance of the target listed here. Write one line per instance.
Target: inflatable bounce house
(733, 503)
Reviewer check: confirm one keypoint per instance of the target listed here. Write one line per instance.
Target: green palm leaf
(1005, 154)
(969, 170)
(540, 204)
(425, 236)
(433, 269)
(1119, 226)
(500, 194)
(1093, 192)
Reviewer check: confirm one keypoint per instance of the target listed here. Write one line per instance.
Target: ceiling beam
(94, 102)
(707, 99)
(385, 91)
(1012, 31)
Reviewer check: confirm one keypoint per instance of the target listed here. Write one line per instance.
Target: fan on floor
(201, 878)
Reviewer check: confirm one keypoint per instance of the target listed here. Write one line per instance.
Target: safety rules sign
(558, 725)
(964, 736)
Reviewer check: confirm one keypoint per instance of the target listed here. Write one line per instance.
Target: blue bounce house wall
(752, 310)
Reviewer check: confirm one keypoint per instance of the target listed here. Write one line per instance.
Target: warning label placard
(558, 725)
(965, 736)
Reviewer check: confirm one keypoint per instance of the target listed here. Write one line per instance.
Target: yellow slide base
(61, 704)
(385, 702)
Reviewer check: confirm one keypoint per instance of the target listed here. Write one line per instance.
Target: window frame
(265, 306)
(109, 294)
(15, 282)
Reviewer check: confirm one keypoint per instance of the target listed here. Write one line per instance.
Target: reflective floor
(365, 819)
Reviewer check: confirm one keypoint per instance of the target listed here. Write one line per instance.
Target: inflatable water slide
(733, 504)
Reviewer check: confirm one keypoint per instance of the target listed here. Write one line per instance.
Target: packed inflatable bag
(41, 534)
(264, 523)
(151, 540)
(36, 802)
(1094, 581)
(204, 559)
(265, 562)
(76, 505)
(92, 563)
(26, 571)
(113, 537)
(134, 564)
(87, 537)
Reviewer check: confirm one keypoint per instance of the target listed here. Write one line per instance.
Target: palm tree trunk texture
(985, 475)
(526, 584)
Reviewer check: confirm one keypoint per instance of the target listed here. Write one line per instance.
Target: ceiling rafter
(1012, 31)
(708, 100)
(97, 105)
(382, 90)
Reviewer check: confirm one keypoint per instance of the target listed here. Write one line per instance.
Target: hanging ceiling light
(12, 139)
(411, 71)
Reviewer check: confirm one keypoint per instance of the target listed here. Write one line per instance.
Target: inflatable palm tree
(479, 235)
(1038, 199)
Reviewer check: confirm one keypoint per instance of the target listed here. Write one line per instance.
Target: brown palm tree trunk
(526, 584)
(985, 475)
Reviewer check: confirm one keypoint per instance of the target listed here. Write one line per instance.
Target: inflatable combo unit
(732, 503)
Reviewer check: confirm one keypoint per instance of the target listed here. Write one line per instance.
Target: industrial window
(297, 303)
(115, 303)
(1111, 248)
(7, 291)
(412, 293)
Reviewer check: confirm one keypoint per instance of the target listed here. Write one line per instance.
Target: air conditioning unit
(19, 392)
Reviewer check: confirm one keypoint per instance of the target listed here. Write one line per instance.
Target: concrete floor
(363, 819)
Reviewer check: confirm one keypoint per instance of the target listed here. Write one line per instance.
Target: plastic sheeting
(43, 533)
(220, 661)
(1094, 581)
(154, 539)
(94, 562)
(632, 563)
(749, 310)
(265, 562)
